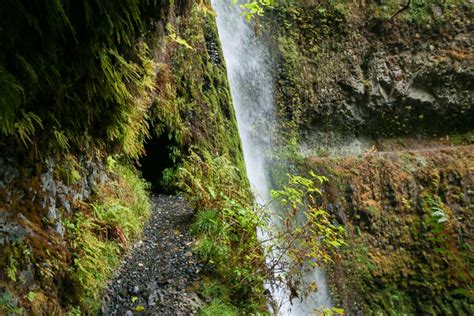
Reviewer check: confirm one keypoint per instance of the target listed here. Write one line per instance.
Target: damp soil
(160, 273)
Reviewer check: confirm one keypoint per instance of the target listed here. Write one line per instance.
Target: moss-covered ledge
(407, 215)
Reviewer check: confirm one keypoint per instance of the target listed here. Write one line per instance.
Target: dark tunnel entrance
(155, 160)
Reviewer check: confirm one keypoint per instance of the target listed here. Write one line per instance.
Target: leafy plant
(208, 223)
(9, 305)
(24, 127)
(31, 296)
(75, 311)
(438, 214)
(217, 307)
(438, 220)
(254, 8)
(12, 268)
(305, 237)
(208, 179)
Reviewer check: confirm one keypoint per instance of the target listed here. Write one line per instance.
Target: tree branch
(406, 6)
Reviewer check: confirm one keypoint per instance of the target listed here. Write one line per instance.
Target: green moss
(406, 254)
(420, 12)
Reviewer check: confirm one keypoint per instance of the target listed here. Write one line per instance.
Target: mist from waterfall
(251, 85)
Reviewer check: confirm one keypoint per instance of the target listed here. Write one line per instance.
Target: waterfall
(251, 86)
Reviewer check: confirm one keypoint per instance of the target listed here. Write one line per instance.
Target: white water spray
(251, 86)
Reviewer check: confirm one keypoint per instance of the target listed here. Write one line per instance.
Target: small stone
(135, 289)
(123, 291)
(152, 299)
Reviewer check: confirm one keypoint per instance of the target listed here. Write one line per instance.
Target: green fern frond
(25, 127)
(11, 96)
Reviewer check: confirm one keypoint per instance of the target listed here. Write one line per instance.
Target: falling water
(251, 86)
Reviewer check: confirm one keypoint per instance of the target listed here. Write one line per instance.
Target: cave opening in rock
(155, 160)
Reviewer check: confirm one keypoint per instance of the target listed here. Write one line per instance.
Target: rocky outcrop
(407, 217)
(348, 70)
(36, 199)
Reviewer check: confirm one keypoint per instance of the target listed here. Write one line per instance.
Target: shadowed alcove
(155, 160)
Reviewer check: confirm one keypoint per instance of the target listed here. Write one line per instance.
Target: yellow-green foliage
(98, 238)
(193, 104)
(96, 259)
(209, 178)
(252, 9)
(309, 232)
(87, 83)
(8, 305)
(218, 308)
(304, 235)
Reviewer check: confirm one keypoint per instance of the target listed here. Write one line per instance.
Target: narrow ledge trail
(159, 273)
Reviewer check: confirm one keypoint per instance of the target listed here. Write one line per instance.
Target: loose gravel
(159, 274)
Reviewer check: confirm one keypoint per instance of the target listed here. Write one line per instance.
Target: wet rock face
(404, 257)
(403, 91)
(358, 75)
(358, 90)
(10, 231)
(37, 194)
(35, 200)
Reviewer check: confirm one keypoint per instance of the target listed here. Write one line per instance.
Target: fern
(61, 139)
(25, 127)
(11, 95)
(102, 93)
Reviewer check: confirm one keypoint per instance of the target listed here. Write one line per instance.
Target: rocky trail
(158, 275)
(394, 153)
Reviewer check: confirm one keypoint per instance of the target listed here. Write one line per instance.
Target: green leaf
(338, 310)
(31, 296)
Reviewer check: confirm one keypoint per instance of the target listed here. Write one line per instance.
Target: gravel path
(157, 276)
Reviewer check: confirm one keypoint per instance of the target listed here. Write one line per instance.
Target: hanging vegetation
(75, 74)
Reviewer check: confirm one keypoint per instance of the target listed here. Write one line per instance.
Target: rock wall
(36, 200)
(348, 69)
(383, 106)
(407, 217)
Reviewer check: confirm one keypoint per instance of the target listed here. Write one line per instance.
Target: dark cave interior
(155, 160)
